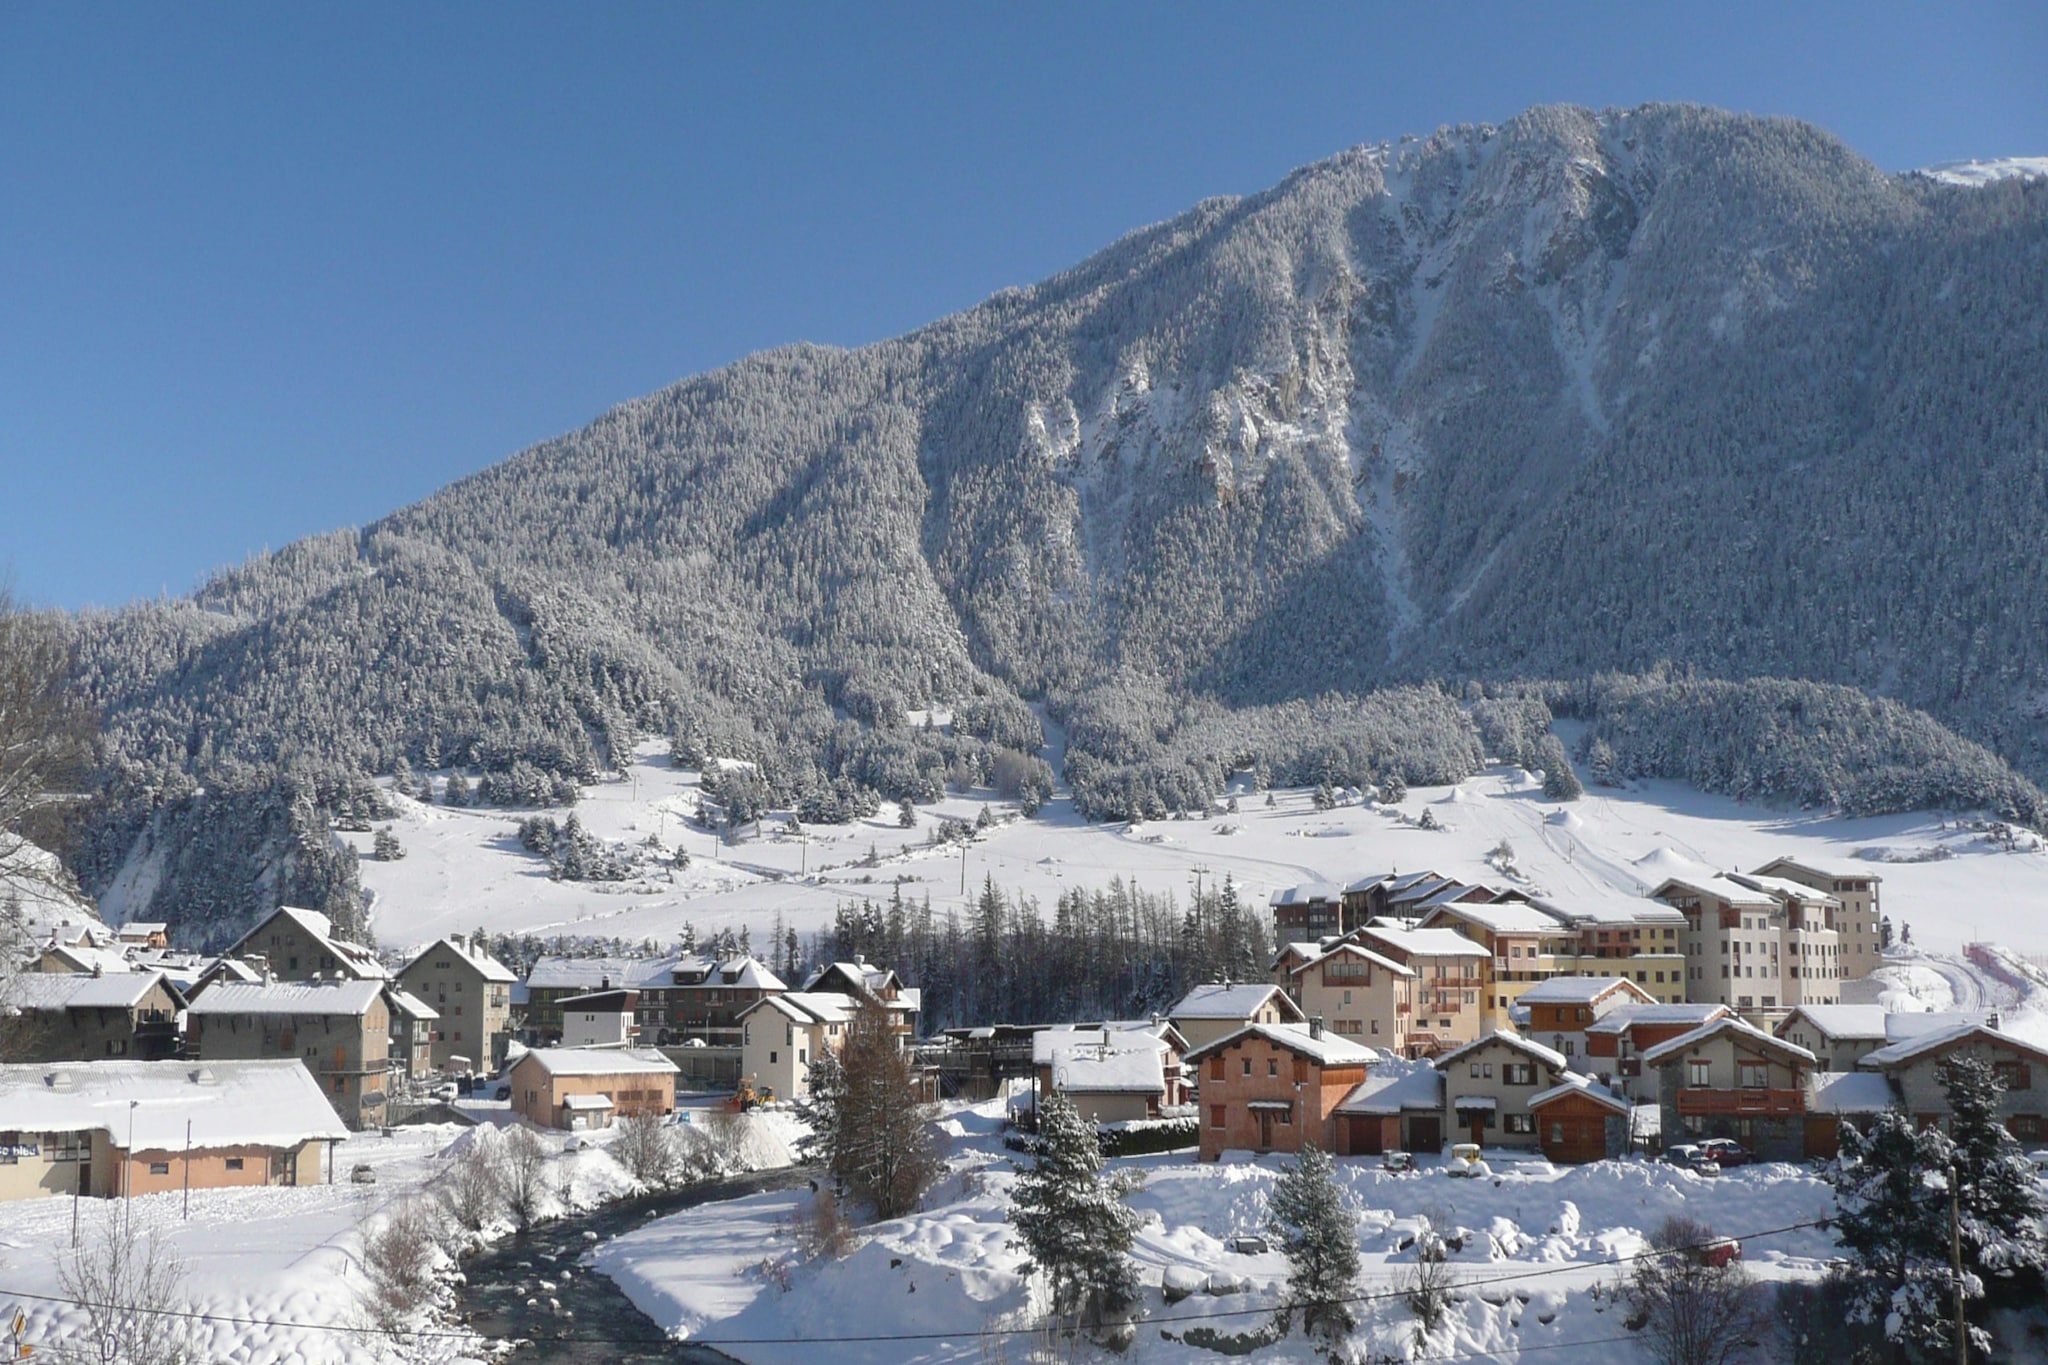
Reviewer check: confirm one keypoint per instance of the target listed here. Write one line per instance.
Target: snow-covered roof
(1502, 917)
(1579, 990)
(1848, 1092)
(408, 1004)
(1300, 948)
(1136, 1067)
(1350, 949)
(1426, 942)
(1747, 1032)
(71, 991)
(1393, 1088)
(865, 978)
(1548, 1056)
(597, 973)
(480, 962)
(240, 1103)
(86, 958)
(598, 1061)
(1575, 1084)
(1714, 886)
(1475, 1102)
(360, 960)
(1842, 1022)
(1814, 869)
(288, 997)
(1306, 892)
(1219, 1000)
(1784, 887)
(141, 928)
(1622, 1018)
(1327, 1048)
(1612, 908)
(1367, 883)
(1139, 1034)
(1899, 1027)
(586, 1101)
(1940, 1040)
(806, 1007)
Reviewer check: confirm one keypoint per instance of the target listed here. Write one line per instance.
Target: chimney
(1315, 1026)
(99, 969)
(604, 983)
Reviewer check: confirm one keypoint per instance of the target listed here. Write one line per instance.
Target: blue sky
(269, 270)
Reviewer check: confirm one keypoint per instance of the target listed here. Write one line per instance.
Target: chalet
(1360, 994)
(340, 1029)
(869, 984)
(581, 1088)
(1838, 1036)
(1453, 976)
(783, 1035)
(72, 1017)
(1399, 1106)
(299, 945)
(1488, 1085)
(1616, 1041)
(704, 999)
(104, 1129)
(1730, 1079)
(1310, 911)
(1579, 1120)
(1914, 1066)
(600, 1019)
(1217, 1010)
(1561, 1009)
(1114, 1071)
(144, 934)
(470, 992)
(1273, 1087)
(1292, 955)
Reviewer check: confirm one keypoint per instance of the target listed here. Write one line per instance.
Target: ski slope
(464, 868)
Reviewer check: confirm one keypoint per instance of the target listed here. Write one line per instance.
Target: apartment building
(1357, 993)
(1858, 919)
(339, 1028)
(471, 992)
(1752, 948)
(1453, 979)
(299, 945)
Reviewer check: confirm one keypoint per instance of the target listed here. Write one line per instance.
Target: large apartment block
(1755, 946)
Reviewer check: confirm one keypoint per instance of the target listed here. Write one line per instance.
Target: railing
(1744, 1102)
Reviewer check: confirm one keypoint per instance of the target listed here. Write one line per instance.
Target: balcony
(1745, 1103)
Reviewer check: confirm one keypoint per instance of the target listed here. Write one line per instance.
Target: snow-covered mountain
(1583, 391)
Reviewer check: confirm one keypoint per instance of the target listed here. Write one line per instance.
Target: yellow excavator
(750, 1096)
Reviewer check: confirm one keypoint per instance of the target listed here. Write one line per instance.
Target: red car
(1726, 1152)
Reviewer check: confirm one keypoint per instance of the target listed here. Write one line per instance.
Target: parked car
(1726, 1151)
(1693, 1157)
(1465, 1161)
(1250, 1245)
(503, 1092)
(362, 1175)
(1398, 1162)
(1718, 1252)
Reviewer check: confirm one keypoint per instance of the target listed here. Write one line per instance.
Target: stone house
(1272, 1087)
(339, 1028)
(1838, 1036)
(471, 991)
(109, 1128)
(413, 1021)
(1220, 1009)
(1913, 1067)
(298, 945)
(72, 1017)
(582, 1088)
(1488, 1085)
(1730, 1079)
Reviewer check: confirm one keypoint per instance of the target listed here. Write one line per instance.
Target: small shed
(1580, 1120)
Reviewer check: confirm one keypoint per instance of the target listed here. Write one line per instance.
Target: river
(533, 1290)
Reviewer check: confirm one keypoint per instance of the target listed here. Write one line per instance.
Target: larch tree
(883, 1151)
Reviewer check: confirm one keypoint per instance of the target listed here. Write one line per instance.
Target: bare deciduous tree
(523, 1168)
(472, 1190)
(402, 1261)
(131, 1292)
(648, 1148)
(1695, 1311)
(883, 1149)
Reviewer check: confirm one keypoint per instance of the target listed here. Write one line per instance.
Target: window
(1216, 1116)
(234, 1163)
(2026, 1127)
(1486, 1070)
(1247, 1066)
(1273, 1066)
(1519, 1073)
(159, 1168)
(2012, 1075)
(1475, 1071)
(1570, 1048)
(1754, 1075)
(1287, 1116)
(772, 1055)
(1215, 1068)
(1698, 1071)
(1518, 1123)
(338, 1083)
(1375, 1026)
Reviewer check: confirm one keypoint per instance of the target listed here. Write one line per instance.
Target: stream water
(532, 1289)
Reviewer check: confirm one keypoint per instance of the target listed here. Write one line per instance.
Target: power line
(878, 1337)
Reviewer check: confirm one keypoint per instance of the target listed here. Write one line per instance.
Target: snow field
(463, 868)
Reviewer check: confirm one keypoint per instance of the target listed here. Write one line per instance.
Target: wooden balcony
(1744, 1103)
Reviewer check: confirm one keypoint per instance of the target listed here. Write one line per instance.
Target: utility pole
(1955, 1257)
(963, 870)
(128, 1177)
(188, 1168)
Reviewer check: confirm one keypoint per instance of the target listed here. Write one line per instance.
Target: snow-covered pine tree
(1895, 1231)
(819, 1109)
(1073, 1221)
(1997, 1191)
(1317, 1233)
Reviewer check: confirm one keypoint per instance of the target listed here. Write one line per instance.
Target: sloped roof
(1784, 887)
(482, 963)
(288, 997)
(1347, 948)
(1834, 874)
(1901, 1026)
(806, 1007)
(1306, 892)
(601, 1002)
(359, 960)
(1134, 1033)
(1749, 1033)
(1575, 1084)
(1622, 1018)
(72, 991)
(1714, 886)
(1579, 990)
(1393, 1088)
(1941, 1040)
(406, 1003)
(1548, 1056)
(1841, 1021)
(598, 973)
(598, 1061)
(1219, 1000)
(1848, 1092)
(274, 1103)
(1089, 1068)
(1503, 917)
(1329, 1049)
(1426, 942)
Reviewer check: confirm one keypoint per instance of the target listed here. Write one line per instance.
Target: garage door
(1426, 1133)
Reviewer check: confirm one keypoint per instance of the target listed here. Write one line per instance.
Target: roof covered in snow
(1784, 888)
(1306, 892)
(1747, 1033)
(1583, 1086)
(288, 997)
(1393, 1088)
(1346, 948)
(1138, 1034)
(357, 959)
(408, 1004)
(806, 1007)
(1934, 1041)
(1841, 1022)
(72, 991)
(1502, 917)
(1622, 1018)
(482, 963)
(1548, 1056)
(598, 1061)
(1134, 1065)
(597, 973)
(1580, 990)
(1223, 1000)
(1901, 1026)
(1848, 1092)
(1425, 942)
(252, 1103)
(1326, 1048)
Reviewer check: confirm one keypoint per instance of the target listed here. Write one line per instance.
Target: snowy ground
(464, 868)
(276, 1271)
(1538, 1242)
